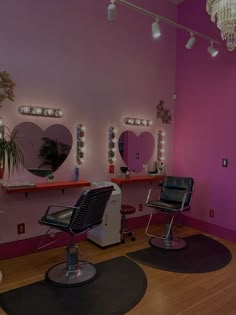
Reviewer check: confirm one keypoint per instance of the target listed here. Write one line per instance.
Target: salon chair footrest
(174, 243)
(59, 275)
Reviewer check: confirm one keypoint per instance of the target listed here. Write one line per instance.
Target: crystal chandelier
(225, 12)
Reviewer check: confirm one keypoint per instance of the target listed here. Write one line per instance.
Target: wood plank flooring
(168, 293)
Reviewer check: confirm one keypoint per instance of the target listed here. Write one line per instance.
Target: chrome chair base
(173, 243)
(59, 274)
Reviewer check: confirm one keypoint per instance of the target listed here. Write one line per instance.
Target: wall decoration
(6, 87)
(163, 113)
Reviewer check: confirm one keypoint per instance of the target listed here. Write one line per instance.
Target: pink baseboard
(210, 228)
(28, 246)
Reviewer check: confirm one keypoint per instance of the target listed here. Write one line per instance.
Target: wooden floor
(168, 293)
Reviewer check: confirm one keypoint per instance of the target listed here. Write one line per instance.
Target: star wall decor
(163, 113)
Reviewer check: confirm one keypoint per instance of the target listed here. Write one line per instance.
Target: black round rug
(202, 254)
(119, 286)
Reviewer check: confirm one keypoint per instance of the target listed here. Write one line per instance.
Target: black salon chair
(171, 198)
(85, 214)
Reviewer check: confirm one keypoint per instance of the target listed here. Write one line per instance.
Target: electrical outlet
(211, 213)
(111, 169)
(20, 228)
(140, 207)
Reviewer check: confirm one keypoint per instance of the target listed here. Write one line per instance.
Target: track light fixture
(212, 50)
(191, 41)
(156, 33)
(111, 11)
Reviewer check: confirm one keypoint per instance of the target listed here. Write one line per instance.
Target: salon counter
(137, 179)
(8, 189)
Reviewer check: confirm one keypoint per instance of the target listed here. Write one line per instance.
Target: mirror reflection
(44, 150)
(136, 150)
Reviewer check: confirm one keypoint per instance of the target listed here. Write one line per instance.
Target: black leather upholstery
(174, 197)
(172, 194)
(87, 212)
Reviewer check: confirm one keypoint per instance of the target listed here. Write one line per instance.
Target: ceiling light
(212, 50)
(191, 41)
(224, 11)
(156, 31)
(111, 11)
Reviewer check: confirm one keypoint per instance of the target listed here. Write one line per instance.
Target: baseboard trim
(210, 228)
(30, 245)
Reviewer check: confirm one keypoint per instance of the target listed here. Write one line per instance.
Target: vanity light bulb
(82, 127)
(114, 140)
(163, 133)
(162, 142)
(131, 121)
(162, 158)
(26, 109)
(59, 113)
(50, 111)
(81, 145)
(38, 110)
(137, 121)
(149, 122)
(113, 149)
(162, 150)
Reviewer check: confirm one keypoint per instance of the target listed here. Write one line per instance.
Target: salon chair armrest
(184, 199)
(156, 190)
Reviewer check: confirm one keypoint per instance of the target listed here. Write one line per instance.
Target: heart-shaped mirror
(44, 150)
(136, 150)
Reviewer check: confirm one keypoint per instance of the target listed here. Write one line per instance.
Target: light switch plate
(224, 162)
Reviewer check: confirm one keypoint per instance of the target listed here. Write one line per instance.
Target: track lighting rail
(166, 20)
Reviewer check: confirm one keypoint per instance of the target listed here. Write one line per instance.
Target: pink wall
(65, 54)
(205, 121)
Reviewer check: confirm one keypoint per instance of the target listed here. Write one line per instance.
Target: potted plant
(11, 155)
(53, 153)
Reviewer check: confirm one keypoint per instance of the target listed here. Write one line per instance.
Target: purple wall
(205, 122)
(65, 54)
